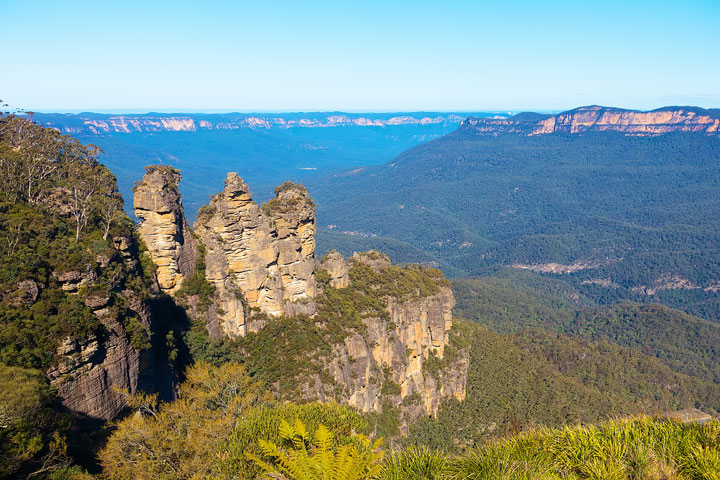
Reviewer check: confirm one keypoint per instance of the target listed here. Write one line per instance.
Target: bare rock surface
(595, 118)
(258, 257)
(163, 227)
(336, 266)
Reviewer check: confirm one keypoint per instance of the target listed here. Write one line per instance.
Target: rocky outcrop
(336, 266)
(602, 119)
(406, 358)
(258, 258)
(90, 372)
(163, 227)
(293, 214)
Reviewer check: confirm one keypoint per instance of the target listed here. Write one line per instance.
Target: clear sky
(361, 55)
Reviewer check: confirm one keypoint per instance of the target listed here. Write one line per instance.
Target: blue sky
(358, 56)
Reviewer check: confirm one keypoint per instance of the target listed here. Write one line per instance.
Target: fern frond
(285, 430)
(301, 430)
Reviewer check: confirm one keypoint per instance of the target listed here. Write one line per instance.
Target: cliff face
(404, 359)
(163, 227)
(89, 370)
(258, 258)
(603, 119)
(102, 124)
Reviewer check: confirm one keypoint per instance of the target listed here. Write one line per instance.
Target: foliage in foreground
(225, 426)
(320, 459)
(219, 417)
(32, 438)
(273, 442)
(633, 449)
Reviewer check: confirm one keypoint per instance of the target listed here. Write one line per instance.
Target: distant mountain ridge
(265, 148)
(98, 123)
(596, 118)
(619, 208)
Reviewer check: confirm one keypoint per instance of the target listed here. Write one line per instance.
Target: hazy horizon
(182, 111)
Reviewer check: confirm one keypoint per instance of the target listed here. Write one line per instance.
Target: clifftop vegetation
(60, 212)
(64, 240)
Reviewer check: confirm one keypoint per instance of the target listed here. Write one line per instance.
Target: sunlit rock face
(258, 257)
(163, 227)
(603, 119)
(336, 266)
(385, 363)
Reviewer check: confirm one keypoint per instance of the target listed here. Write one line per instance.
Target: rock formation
(336, 266)
(403, 358)
(258, 257)
(163, 227)
(90, 371)
(602, 119)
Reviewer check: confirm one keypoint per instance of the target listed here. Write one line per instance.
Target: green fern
(319, 458)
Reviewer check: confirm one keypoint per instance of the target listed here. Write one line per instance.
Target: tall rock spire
(163, 227)
(258, 257)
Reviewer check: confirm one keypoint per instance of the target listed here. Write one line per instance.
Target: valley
(616, 213)
(254, 315)
(267, 149)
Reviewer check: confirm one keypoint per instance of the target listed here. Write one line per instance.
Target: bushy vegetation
(220, 415)
(31, 432)
(59, 213)
(404, 282)
(542, 378)
(222, 426)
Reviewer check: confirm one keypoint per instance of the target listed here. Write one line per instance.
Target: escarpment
(603, 119)
(163, 227)
(403, 357)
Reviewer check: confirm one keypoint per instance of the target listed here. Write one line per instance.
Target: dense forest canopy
(623, 217)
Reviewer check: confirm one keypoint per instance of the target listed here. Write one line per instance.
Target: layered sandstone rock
(260, 258)
(401, 358)
(150, 123)
(163, 227)
(91, 371)
(334, 264)
(293, 214)
(603, 119)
